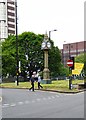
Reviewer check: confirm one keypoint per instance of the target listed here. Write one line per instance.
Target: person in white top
(39, 80)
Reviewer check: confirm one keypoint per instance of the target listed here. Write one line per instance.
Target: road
(0, 104)
(21, 103)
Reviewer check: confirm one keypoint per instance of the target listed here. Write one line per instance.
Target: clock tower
(46, 45)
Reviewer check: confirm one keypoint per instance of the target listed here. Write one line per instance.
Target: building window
(67, 47)
(71, 46)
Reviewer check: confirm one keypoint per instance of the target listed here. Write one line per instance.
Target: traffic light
(72, 67)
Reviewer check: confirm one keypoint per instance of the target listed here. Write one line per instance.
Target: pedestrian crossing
(37, 99)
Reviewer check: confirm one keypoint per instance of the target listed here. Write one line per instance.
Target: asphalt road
(21, 103)
(0, 104)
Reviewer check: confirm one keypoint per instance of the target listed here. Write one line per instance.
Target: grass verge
(60, 85)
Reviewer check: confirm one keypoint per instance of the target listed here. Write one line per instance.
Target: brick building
(7, 18)
(72, 50)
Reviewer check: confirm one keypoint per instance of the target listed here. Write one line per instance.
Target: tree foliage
(28, 44)
(80, 58)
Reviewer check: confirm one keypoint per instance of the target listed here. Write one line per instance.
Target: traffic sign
(78, 68)
(70, 63)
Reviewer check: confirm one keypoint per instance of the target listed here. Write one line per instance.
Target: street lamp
(46, 45)
(50, 33)
(70, 69)
(17, 57)
(26, 56)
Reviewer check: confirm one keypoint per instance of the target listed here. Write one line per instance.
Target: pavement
(59, 91)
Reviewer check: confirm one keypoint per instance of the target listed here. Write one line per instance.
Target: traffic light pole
(70, 78)
(70, 72)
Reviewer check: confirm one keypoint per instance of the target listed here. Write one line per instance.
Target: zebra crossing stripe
(13, 105)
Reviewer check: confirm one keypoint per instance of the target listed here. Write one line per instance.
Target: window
(67, 47)
(71, 46)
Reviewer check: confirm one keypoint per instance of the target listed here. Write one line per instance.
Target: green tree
(80, 58)
(8, 56)
(64, 71)
(54, 61)
(28, 44)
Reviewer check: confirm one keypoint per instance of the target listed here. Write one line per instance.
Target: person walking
(32, 83)
(39, 80)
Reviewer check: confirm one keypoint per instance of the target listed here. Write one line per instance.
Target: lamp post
(26, 56)
(70, 69)
(70, 72)
(76, 48)
(17, 58)
(46, 45)
(63, 54)
(50, 33)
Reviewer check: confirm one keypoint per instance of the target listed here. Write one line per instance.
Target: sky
(66, 16)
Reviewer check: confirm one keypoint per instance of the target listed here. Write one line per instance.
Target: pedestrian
(39, 80)
(32, 83)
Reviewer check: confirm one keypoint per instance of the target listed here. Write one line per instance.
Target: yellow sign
(78, 68)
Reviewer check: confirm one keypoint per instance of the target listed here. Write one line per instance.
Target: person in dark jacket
(32, 83)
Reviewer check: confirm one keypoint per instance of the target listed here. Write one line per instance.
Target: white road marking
(57, 96)
(80, 93)
(26, 102)
(49, 98)
(69, 94)
(13, 105)
(38, 99)
(60, 95)
(44, 98)
(20, 103)
(52, 96)
(33, 101)
(53, 92)
(5, 105)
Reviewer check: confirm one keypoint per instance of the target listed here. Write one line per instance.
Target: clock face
(43, 44)
(48, 44)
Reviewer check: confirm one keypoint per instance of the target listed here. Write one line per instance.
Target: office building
(72, 50)
(7, 18)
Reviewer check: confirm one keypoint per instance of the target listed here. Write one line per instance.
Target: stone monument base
(46, 81)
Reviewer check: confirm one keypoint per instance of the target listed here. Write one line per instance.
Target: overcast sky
(39, 16)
